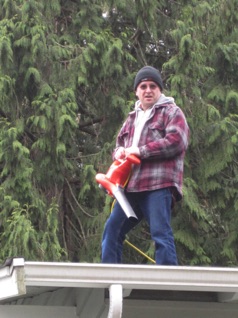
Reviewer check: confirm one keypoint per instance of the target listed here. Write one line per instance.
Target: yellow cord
(139, 251)
(133, 246)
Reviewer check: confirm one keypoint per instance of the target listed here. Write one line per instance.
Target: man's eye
(143, 86)
(151, 86)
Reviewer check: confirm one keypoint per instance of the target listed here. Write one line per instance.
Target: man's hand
(132, 151)
(120, 153)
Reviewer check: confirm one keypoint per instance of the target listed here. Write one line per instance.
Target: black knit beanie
(148, 73)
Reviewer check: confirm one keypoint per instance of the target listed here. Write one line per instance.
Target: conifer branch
(92, 122)
(79, 222)
(76, 201)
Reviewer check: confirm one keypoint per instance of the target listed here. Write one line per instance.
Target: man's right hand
(120, 153)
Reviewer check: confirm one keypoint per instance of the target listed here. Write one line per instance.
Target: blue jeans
(155, 207)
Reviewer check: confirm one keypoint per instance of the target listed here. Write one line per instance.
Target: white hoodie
(142, 116)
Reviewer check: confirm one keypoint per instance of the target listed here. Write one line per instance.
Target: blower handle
(133, 159)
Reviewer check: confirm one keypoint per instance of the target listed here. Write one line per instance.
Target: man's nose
(148, 88)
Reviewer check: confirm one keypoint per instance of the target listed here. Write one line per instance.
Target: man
(157, 132)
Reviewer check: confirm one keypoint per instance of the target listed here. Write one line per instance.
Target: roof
(108, 290)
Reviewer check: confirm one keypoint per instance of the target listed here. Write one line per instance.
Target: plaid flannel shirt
(162, 145)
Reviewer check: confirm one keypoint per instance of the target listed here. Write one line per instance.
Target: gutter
(90, 275)
(12, 278)
(16, 276)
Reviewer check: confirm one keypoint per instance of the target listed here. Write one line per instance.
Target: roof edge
(132, 276)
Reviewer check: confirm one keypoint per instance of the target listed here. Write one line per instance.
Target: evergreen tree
(62, 96)
(203, 82)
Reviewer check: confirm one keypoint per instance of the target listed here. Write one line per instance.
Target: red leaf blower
(116, 179)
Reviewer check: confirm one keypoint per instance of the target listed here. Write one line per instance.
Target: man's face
(148, 93)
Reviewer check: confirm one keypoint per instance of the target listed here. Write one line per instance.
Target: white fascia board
(183, 278)
(12, 279)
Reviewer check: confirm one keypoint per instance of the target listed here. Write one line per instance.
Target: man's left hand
(132, 151)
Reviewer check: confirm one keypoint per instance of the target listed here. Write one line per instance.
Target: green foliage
(213, 125)
(20, 237)
(24, 238)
